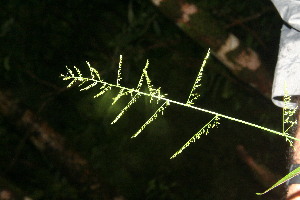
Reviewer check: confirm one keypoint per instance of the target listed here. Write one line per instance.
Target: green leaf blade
(289, 176)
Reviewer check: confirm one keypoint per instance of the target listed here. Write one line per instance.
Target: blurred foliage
(38, 38)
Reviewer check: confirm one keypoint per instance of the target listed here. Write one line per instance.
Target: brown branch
(51, 142)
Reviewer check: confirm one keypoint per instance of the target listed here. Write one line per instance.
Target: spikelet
(214, 122)
(119, 77)
(153, 117)
(94, 73)
(78, 72)
(193, 94)
(103, 89)
(130, 103)
(93, 84)
(288, 114)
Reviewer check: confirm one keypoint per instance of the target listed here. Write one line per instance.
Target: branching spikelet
(122, 92)
(93, 84)
(152, 118)
(71, 83)
(148, 80)
(119, 95)
(130, 103)
(119, 78)
(214, 122)
(195, 95)
(70, 71)
(105, 89)
(288, 114)
(152, 92)
(78, 71)
(93, 72)
(140, 83)
(69, 76)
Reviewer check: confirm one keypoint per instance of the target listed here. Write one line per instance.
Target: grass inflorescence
(152, 93)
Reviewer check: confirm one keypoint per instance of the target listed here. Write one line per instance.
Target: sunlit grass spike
(140, 83)
(214, 122)
(287, 116)
(89, 86)
(70, 71)
(193, 94)
(93, 72)
(119, 95)
(105, 89)
(71, 83)
(152, 118)
(130, 103)
(78, 71)
(119, 78)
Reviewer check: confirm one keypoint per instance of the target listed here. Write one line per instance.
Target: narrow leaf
(283, 180)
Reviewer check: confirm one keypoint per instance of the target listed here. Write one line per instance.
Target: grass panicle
(145, 88)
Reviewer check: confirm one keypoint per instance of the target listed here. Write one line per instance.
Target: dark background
(39, 38)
